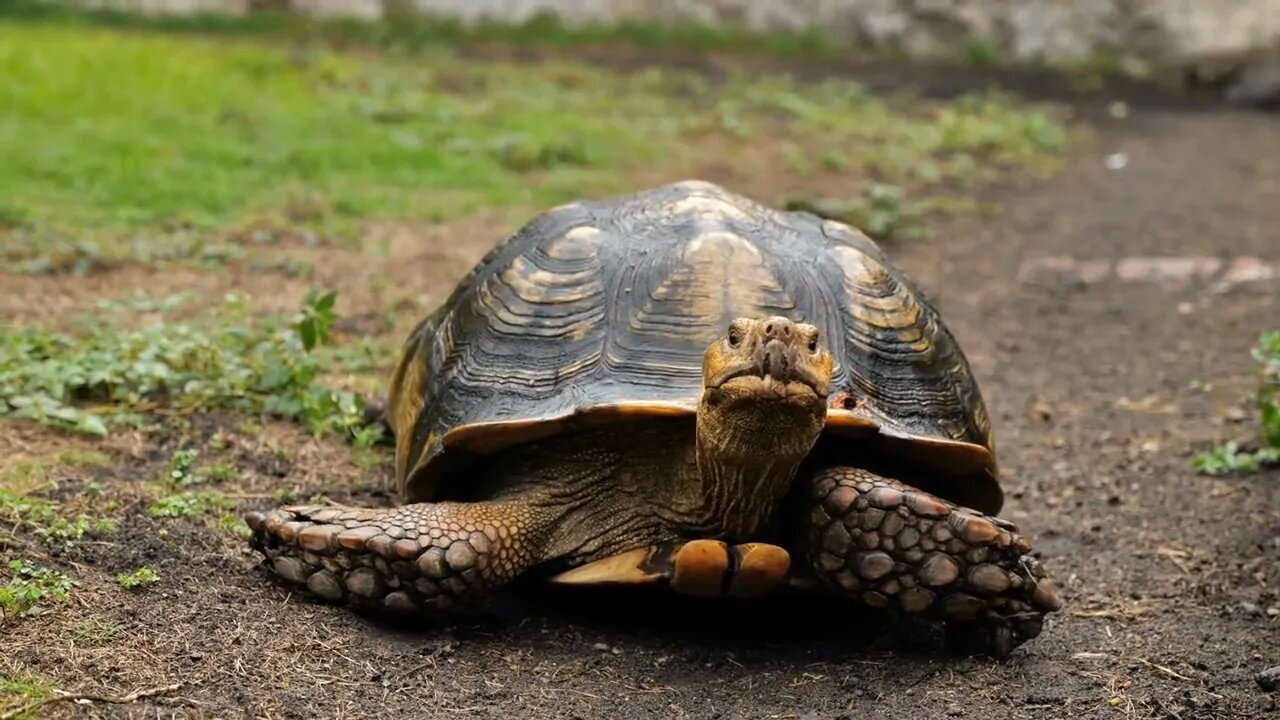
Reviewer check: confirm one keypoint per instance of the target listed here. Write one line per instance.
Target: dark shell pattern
(600, 309)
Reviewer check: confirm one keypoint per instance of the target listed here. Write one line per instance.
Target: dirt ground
(1100, 392)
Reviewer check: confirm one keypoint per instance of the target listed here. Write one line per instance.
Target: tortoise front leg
(888, 544)
(422, 556)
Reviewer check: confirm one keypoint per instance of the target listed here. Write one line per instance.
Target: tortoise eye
(735, 337)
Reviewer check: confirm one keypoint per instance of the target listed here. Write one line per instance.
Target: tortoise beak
(773, 361)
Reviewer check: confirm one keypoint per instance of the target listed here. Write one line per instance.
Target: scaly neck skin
(748, 451)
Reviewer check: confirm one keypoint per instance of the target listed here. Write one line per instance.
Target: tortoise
(682, 387)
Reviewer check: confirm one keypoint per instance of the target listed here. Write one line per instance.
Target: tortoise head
(768, 359)
(763, 405)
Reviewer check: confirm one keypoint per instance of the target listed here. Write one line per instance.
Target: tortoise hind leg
(888, 544)
(416, 557)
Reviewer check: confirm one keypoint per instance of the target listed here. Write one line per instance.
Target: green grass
(117, 130)
(1230, 457)
(127, 144)
(21, 694)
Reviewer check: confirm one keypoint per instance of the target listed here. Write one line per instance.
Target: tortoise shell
(601, 311)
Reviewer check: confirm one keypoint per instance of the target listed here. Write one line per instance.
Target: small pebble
(602, 647)
(1117, 161)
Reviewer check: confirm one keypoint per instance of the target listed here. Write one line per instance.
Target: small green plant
(181, 469)
(315, 319)
(1230, 457)
(235, 525)
(286, 494)
(31, 585)
(141, 578)
(981, 52)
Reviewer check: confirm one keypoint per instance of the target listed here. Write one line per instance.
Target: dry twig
(134, 696)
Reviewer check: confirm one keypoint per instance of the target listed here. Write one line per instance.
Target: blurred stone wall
(1158, 30)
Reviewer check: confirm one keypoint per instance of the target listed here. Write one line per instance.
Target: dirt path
(1167, 576)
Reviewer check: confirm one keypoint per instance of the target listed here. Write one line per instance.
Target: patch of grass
(83, 459)
(21, 693)
(19, 509)
(143, 577)
(148, 131)
(222, 473)
(94, 632)
(31, 585)
(106, 375)
(1230, 457)
(145, 147)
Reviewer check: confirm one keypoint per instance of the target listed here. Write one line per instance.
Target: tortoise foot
(892, 546)
(696, 567)
(417, 557)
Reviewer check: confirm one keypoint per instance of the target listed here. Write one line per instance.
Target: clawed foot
(416, 557)
(893, 546)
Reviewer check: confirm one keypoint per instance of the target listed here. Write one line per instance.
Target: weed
(141, 578)
(1230, 457)
(180, 472)
(29, 586)
(232, 523)
(109, 374)
(315, 319)
(286, 495)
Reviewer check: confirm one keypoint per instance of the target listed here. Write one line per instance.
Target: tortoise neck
(747, 453)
